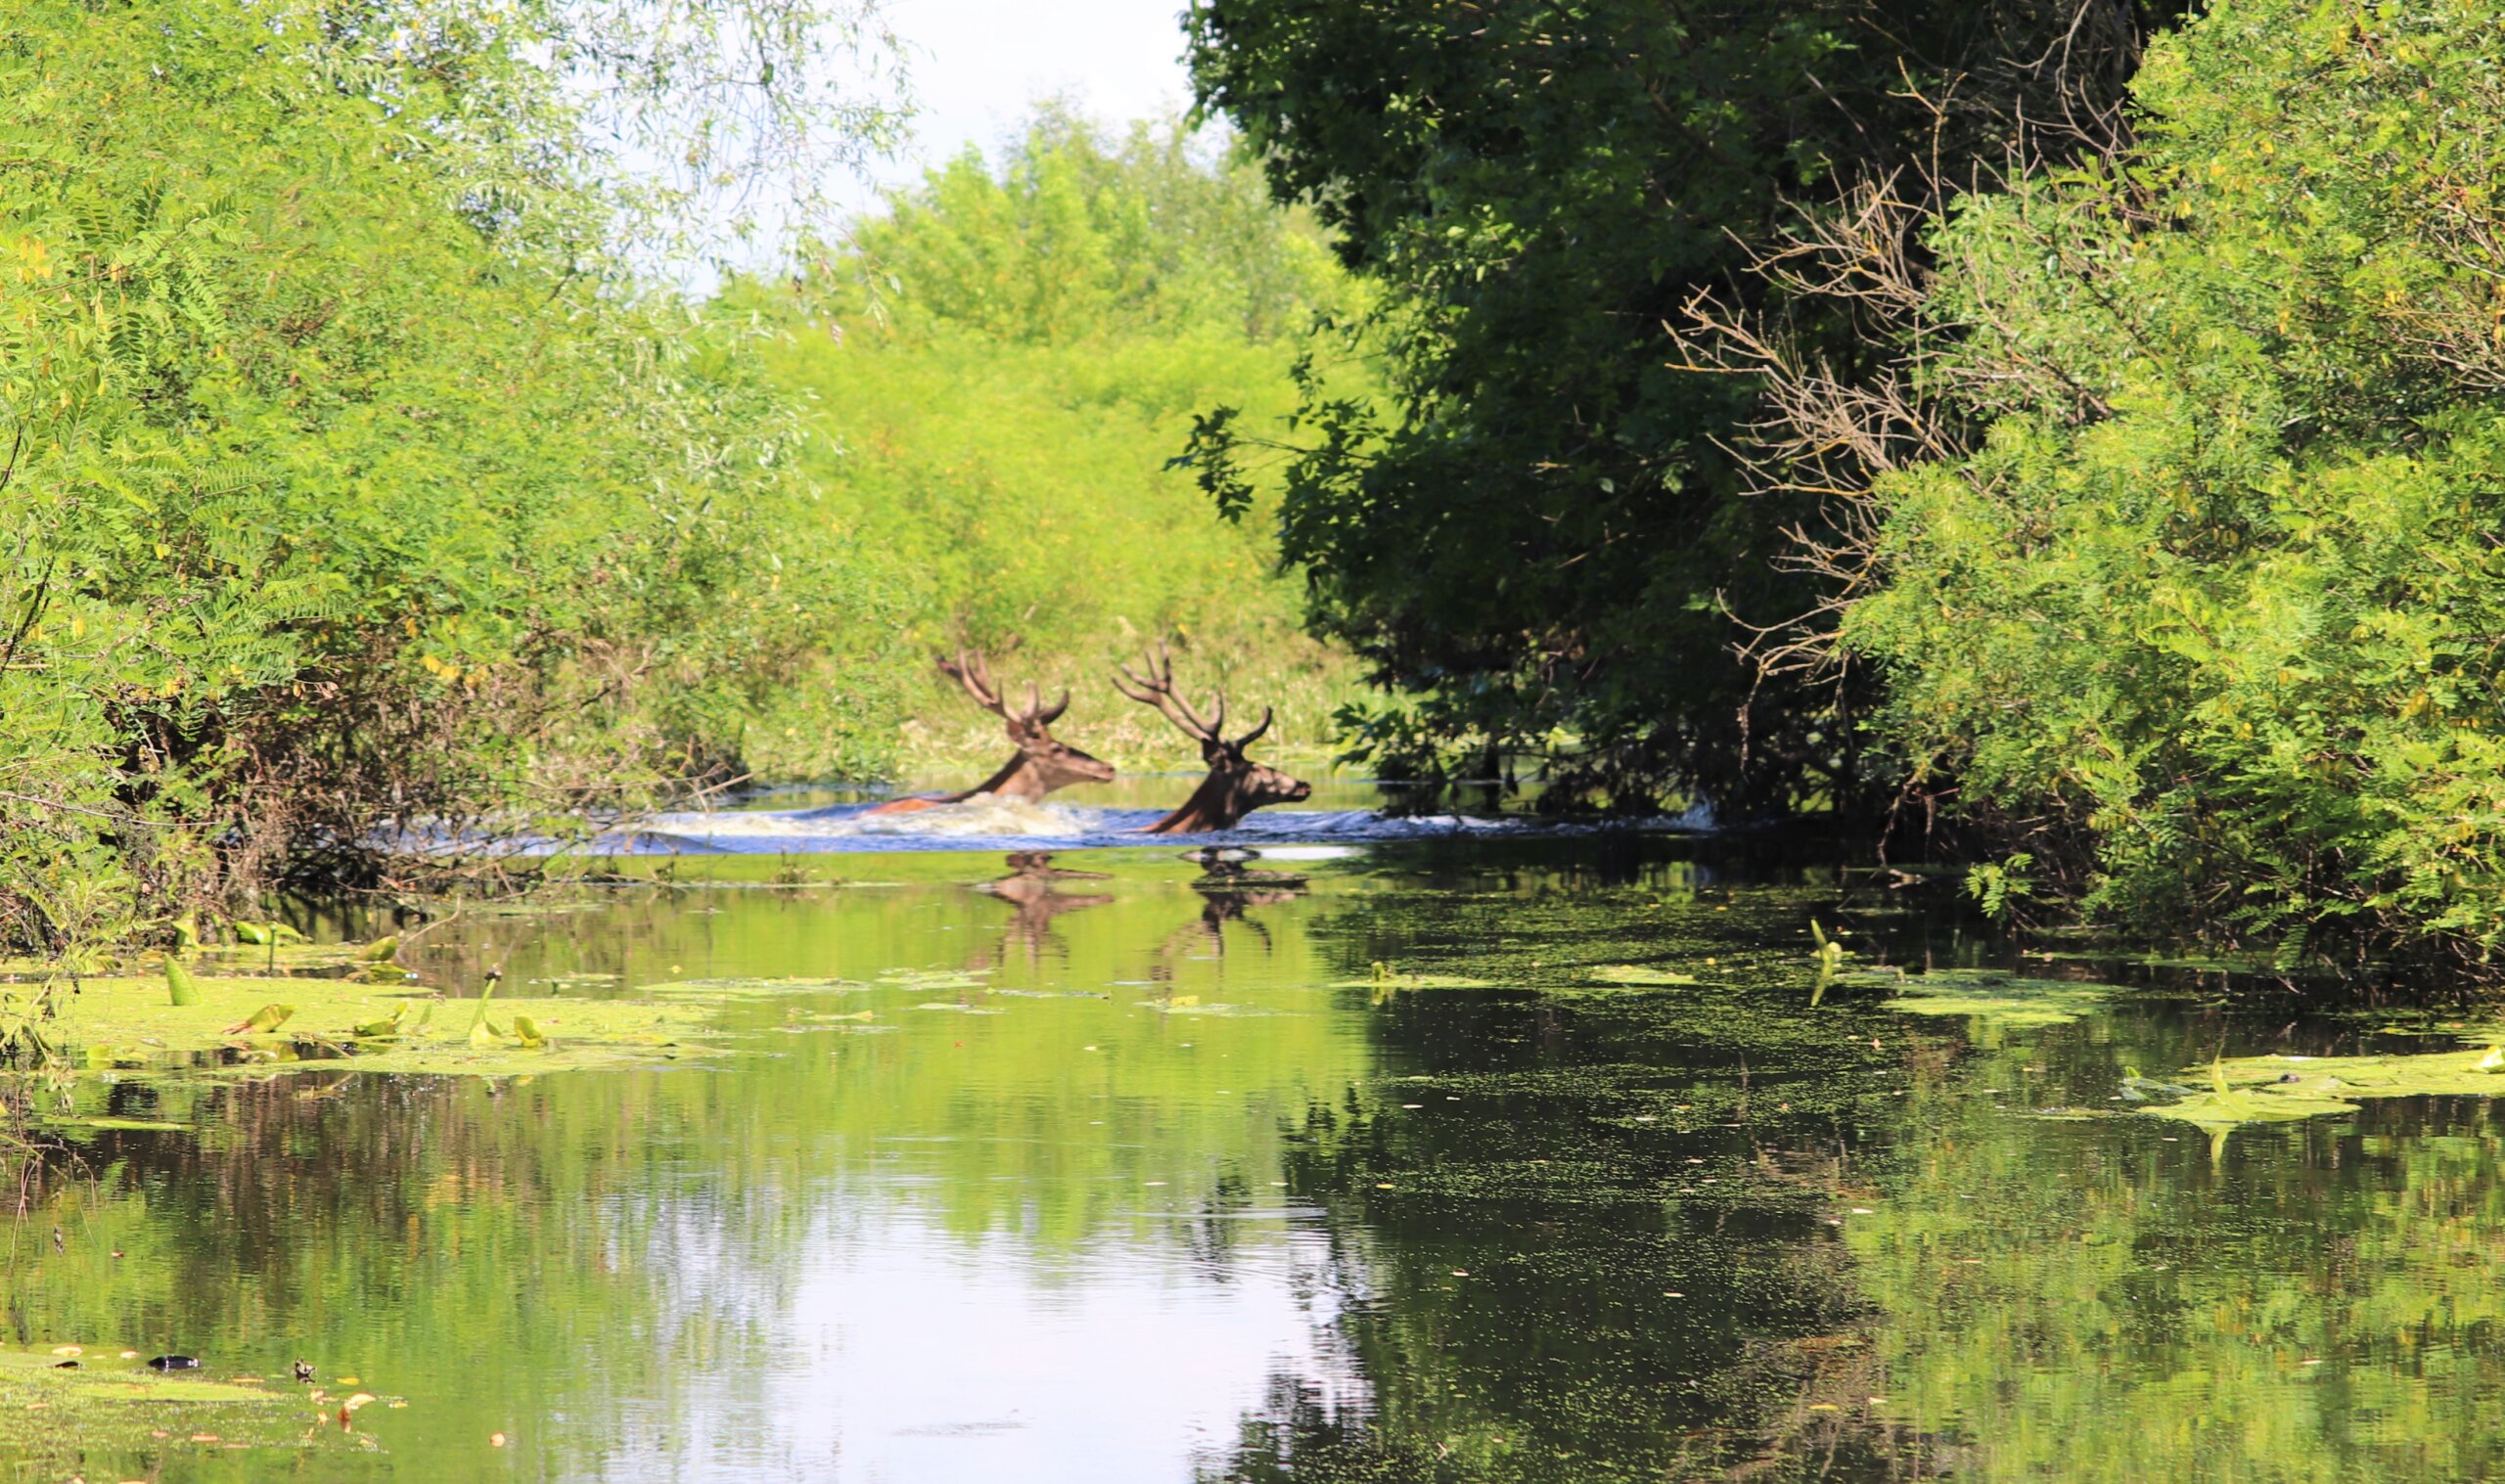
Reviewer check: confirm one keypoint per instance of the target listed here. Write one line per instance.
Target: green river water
(1349, 1164)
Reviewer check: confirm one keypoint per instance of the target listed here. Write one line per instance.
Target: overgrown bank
(2126, 433)
(353, 482)
(1002, 363)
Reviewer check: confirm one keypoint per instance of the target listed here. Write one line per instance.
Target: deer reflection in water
(1032, 887)
(1228, 889)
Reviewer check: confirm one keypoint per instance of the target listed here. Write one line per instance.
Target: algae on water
(2278, 1088)
(1990, 996)
(233, 1026)
(110, 1400)
(1638, 976)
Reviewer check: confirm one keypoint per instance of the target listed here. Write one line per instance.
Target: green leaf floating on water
(264, 1021)
(1987, 995)
(372, 1029)
(1412, 982)
(1633, 976)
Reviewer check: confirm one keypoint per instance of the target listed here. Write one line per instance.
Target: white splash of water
(982, 815)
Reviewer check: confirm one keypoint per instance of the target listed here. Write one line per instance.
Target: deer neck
(1018, 778)
(1216, 804)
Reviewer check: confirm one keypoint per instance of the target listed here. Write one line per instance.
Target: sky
(978, 65)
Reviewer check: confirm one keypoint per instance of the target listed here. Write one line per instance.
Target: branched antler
(1156, 689)
(971, 670)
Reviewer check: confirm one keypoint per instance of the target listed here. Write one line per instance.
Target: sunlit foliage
(1004, 360)
(1533, 527)
(351, 481)
(2219, 592)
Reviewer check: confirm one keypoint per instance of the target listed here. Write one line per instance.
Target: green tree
(1004, 360)
(1537, 531)
(2213, 602)
(354, 480)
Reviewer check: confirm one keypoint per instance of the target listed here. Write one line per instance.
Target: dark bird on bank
(305, 1371)
(174, 1362)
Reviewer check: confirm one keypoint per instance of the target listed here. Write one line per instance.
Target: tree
(356, 482)
(1539, 532)
(2207, 612)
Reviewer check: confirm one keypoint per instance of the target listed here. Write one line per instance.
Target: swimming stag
(1236, 786)
(1042, 764)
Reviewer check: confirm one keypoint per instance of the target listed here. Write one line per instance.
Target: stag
(1042, 763)
(1236, 784)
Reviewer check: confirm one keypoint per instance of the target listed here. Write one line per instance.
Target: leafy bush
(2220, 591)
(1530, 523)
(1004, 362)
(350, 486)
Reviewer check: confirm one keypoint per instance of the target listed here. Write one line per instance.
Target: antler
(1156, 689)
(969, 669)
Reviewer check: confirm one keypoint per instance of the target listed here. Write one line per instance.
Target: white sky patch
(978, 66)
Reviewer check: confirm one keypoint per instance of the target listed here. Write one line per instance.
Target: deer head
(1042, 763)
(1236, 784)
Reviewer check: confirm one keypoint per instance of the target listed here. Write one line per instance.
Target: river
(1439, 1157)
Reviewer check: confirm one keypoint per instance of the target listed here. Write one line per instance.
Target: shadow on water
(1431, 1160)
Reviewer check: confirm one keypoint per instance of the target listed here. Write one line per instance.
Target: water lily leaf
(262, 1021)
(180, 987)
(527, 1030)
(382, 950)
(390, 1025)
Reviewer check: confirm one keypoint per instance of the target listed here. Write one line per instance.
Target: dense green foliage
(1003, 361)
(1537, 531)
(2219, 590)
(350, 484)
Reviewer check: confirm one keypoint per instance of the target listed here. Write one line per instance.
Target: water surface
(1351, 1161)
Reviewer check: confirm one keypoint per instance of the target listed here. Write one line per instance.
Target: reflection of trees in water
(1504, 1329)
(461, 1240)
(1507, 1257)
